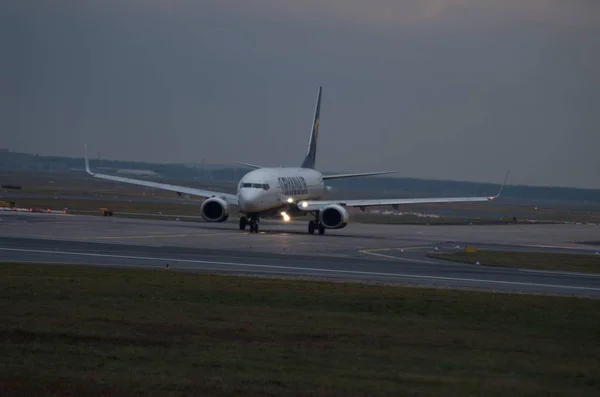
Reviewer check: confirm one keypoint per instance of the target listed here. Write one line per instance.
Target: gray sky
(444, 89)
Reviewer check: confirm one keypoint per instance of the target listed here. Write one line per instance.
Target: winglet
(87, 163)
(501, 187)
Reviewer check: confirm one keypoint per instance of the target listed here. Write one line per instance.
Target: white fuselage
(268, 189)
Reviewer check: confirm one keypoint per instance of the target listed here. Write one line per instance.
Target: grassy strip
(530, 260)
(189, 208)
(72, 331)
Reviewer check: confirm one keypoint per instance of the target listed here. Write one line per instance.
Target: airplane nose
(249, 200)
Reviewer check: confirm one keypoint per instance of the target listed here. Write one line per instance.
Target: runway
(363, 253)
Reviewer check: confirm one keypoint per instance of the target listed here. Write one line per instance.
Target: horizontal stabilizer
(249, 165)
(342, 176)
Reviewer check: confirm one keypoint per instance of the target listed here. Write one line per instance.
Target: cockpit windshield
(264, 186)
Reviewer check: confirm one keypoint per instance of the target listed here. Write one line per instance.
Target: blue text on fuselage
(293, 185)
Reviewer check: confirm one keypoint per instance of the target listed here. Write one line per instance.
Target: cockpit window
(264, 186)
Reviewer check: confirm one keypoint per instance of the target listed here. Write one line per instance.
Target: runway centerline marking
(409, 248)
(319, 270)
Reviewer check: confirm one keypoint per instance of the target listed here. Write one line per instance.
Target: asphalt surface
(364, 253)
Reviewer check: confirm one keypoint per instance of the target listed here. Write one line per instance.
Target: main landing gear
(252, 222)
(316, 225)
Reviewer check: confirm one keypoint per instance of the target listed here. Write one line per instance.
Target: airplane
(267, 192)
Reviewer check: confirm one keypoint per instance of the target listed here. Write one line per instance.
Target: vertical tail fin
(311, 155)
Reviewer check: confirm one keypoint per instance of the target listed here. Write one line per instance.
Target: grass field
(531, 260)
(74, 331)
(93, 206)
(83, 184)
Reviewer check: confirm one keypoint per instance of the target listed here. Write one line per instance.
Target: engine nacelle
(334, 216)
(214, 209)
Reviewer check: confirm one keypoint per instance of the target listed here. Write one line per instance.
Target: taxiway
(365, 253)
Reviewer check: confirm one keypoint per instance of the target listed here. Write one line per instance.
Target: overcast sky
(444, 89)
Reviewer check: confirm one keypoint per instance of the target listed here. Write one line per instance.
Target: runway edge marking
(320, 270)
(558, 272)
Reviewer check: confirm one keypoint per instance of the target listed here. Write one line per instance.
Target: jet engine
(214, 209)
(334, 217)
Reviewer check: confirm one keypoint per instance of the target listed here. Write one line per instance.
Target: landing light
(290, 200)
(304, 204)
(286, 217)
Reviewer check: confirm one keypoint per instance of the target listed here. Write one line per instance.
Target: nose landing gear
(252, 223)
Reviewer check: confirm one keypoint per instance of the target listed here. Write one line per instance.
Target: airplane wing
(315, 205)
(229, 198)
(341, 176)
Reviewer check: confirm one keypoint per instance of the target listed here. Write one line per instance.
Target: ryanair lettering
(293, 186)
